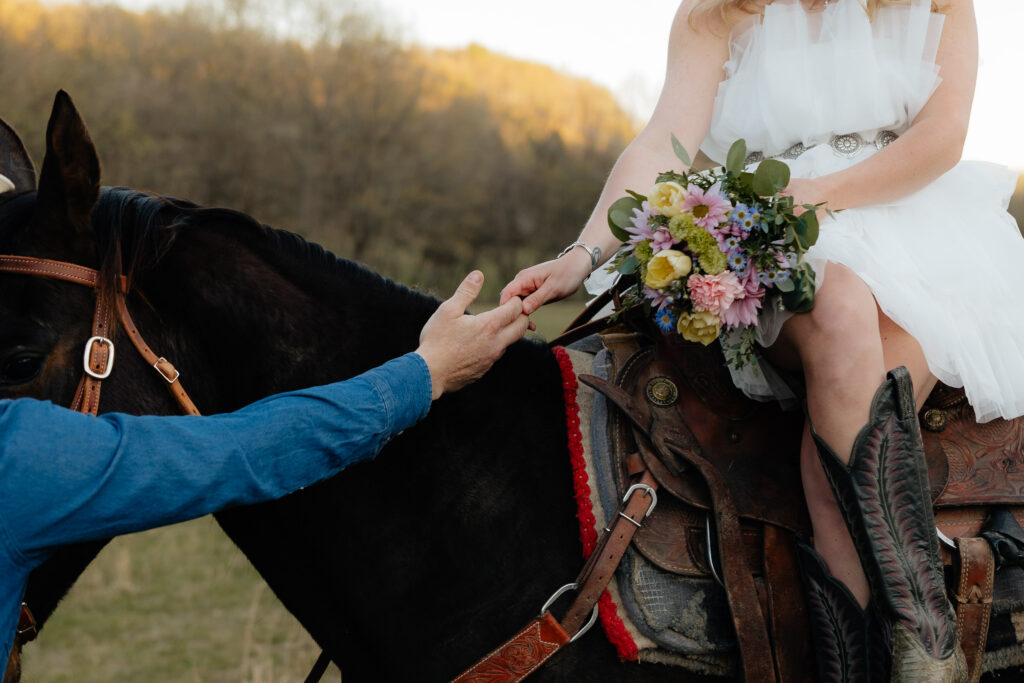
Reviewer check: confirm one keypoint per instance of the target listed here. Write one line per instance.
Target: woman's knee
(844, 316)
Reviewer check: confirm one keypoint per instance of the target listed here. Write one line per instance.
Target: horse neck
(272, 319)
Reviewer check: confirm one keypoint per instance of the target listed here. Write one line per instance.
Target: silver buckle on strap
(103, 374)
(558, 593)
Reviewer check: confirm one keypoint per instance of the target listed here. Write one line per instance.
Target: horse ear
(69, 183)
(15, 163)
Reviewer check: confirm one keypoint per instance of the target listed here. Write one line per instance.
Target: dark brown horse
(407, 568)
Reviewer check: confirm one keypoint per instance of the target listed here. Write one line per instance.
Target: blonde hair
(731, 11)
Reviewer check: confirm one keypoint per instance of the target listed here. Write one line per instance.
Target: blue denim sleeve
(67, 477)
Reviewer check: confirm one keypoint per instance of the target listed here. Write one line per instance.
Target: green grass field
(183, 604)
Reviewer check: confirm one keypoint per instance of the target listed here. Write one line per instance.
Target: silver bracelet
(595, 253)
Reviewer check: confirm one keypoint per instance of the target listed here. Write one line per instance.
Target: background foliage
(420, 163)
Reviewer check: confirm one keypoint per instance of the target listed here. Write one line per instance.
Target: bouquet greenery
(711, 249)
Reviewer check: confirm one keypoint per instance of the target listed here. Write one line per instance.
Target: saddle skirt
(667, 604)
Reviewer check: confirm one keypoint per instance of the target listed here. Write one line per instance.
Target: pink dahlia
(708, 207)
(714, 293)
(743, 311)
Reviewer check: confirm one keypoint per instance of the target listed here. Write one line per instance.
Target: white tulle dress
(823, 90)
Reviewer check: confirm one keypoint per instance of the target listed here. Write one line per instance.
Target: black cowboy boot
(883, 495)
(850, 644)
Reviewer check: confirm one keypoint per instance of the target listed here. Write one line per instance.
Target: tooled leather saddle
(731, 498)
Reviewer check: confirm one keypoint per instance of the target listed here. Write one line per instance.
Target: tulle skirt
(946, 264)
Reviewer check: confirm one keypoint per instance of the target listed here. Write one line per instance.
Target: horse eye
(20, 368)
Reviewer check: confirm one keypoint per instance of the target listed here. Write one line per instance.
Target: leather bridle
(98, 358)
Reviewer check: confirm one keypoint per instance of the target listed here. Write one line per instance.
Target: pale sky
(621, 44)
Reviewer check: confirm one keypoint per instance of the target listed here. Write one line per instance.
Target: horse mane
(134, 230)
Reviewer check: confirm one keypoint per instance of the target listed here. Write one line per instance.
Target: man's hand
(459, 348)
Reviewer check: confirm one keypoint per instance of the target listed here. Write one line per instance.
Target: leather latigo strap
(601, 564)
(544, 636)
(974, 600)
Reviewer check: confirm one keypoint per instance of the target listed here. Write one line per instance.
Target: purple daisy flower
(641, 228)
(657, 298)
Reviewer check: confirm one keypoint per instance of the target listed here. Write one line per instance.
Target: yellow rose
(665, 267)
(667, 198)
(699, 326)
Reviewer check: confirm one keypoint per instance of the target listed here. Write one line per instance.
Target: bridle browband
(98, 357)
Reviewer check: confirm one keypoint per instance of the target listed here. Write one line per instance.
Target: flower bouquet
(711, 249)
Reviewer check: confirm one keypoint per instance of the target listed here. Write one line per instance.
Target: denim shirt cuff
(404, 391)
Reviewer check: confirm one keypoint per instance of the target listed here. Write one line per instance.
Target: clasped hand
(458, 347)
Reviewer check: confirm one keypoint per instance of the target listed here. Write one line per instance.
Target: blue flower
(743, 216)
(782, 276)
(737, 261)
(666, 320)
(731, 243)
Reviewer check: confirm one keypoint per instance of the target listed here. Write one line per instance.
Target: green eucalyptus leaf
(629, 265)
(810, 233)
(637, 196)
(681, 151)
(620, 215)
(785, 285)
(770, 177)
(801, 298)
(737, 156)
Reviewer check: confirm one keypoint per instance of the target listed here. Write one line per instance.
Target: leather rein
(97, 360)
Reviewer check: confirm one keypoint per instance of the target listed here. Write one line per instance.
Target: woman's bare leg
(844, 347)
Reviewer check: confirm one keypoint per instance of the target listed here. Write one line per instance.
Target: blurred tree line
(315, 118)
(312, 116)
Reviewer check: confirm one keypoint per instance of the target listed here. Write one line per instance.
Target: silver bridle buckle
(88, 354)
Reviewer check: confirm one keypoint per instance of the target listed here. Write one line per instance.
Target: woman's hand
(808, 191)
(548, 281)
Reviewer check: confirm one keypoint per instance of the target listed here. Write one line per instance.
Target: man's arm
(67, 477)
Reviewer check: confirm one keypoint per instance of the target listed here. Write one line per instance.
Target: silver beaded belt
(847, 145)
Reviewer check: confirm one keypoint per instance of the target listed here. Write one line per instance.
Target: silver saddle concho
(847, 145)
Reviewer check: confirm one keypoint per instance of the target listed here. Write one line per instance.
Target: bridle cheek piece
(98, 355)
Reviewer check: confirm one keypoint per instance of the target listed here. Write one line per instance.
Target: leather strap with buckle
(522, 654)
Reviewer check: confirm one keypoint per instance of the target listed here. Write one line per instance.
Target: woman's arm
(933, 143)
(694, 70)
